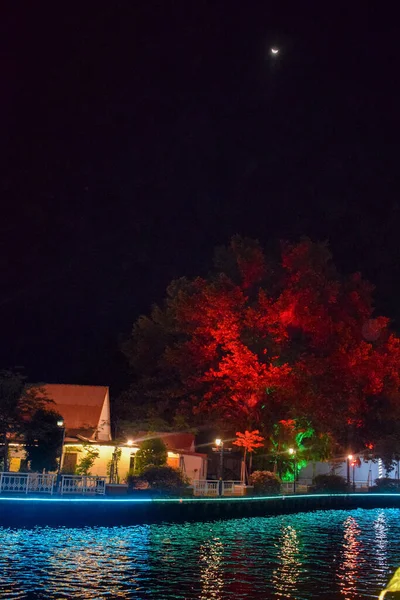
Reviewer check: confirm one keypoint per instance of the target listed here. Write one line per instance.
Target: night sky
(136, 136)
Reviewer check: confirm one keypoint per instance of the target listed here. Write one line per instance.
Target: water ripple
(344, 555)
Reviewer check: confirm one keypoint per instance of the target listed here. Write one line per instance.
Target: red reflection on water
(349, 568)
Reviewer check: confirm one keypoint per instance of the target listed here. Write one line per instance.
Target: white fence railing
(203, 487)
(212, 488)
(233, 488)
(42, 483)
(46, 483)
(304, 486)
(288, 488)
(24, 483)
(83, 485)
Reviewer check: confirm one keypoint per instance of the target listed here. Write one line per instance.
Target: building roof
(79, 405)
(178, 441)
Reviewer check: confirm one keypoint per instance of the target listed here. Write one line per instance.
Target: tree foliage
(265, 339)
(249, 440)
(329, 483)
(18, 403)
(87, 460)
(152, 451)
(43, 440)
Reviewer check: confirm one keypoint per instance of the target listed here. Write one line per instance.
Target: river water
(325, 554)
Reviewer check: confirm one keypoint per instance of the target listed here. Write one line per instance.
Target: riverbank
(78, 512)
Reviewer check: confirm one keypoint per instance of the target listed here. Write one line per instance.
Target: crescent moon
(274, 50)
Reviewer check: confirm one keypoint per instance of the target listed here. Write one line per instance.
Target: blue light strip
(191, 500)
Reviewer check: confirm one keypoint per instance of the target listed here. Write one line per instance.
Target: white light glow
(274, 51)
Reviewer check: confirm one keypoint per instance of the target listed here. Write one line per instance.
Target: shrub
(131, 479)
(386, 484)
(329, 484)
(265, 482)
(153, 452)
(164, 479)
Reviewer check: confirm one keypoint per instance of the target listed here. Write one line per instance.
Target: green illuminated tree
(153, 452)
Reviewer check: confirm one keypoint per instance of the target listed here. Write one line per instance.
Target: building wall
(367, 471)
(101, 464)
(195, 467)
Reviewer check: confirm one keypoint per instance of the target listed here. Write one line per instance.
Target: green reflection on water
(330, 555)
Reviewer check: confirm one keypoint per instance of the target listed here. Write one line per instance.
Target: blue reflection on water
(332, 554)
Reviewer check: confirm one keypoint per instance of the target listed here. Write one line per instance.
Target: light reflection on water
(286, 575)
(351, 560)
(325, 554)
(211, 576)
(381, 527)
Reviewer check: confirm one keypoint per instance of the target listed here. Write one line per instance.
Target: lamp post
(220, 448)
(61, 425)
(349, 459)
(292, 452)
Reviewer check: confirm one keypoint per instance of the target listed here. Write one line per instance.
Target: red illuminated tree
(249, 441)
(261, 340)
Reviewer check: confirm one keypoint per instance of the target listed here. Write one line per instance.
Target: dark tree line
(25, 417)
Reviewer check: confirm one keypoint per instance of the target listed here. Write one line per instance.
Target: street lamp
(61, 424)
(220, 448)
(349, 459)
(292, 452)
